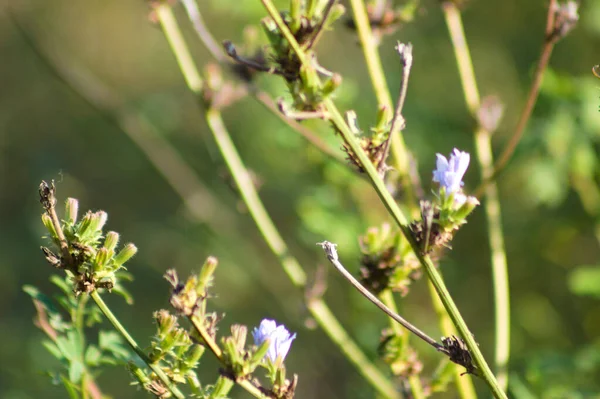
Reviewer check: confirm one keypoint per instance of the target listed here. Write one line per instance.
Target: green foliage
(81, 361)
(550, 194)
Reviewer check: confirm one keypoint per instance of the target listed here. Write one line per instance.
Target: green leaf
(66, 303)
(53, 349)
(42, 298)
(111, 342)
(61, 283)
(124, 293)
(92, 356)
(76, 370)
(66, 347)
(585, 280)
(93, 316)
(70, 387)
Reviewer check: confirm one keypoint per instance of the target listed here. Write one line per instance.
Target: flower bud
(331, 85)
(466, 208)
(101, 259)
(111, 240)
(47, 221)
(206, 275)
(138, 374)
(71, 210)
(166, 322)
(337, 11)
(98, 221)
(125, 254)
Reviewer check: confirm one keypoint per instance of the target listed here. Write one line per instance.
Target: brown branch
(559, 22)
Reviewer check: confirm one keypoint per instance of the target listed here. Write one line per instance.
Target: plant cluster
(393, 258)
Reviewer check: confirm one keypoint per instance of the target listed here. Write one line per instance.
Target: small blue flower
(279, 336)
(450, 173)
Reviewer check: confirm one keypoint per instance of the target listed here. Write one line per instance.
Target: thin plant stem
(261, 96)
(483, 146)
(382, 92)
(305, 132)
(338, 120)
(321, 28)
(133, 344)
(387, 298)
(317, 307)
(332, 255)
(375, 69)
(547, 47)
(193, 12)
(465, 387)
(406, 58)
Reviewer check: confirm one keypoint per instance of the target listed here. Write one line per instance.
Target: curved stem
(549, 42)
(414, 381)
(483, 145)
(338, 120)
(332, 255)
(317, 307)
(121, 330)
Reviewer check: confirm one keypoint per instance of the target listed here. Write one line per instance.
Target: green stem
(425, 261)
(483, 146)
(121, 330)
(317, 307)
(414, 381)
(338, 120)
(222, 387)
(465, 386)
(382, 92)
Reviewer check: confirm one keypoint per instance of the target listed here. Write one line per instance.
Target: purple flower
(450, 173)
(279, 337)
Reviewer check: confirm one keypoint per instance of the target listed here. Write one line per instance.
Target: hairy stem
(317, 307)
(338, 120)
(483, 145)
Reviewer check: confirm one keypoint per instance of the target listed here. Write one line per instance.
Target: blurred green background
(550, 193)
